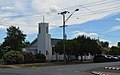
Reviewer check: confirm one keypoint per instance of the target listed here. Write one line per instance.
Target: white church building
(44, 43)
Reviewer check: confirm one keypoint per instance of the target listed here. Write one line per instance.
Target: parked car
(117, 58)
(110, 57)
(101, 58)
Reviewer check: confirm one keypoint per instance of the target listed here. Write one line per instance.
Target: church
(44, 43)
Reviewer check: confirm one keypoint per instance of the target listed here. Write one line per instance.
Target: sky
(95, 18)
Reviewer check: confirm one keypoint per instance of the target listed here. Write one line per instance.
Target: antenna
(43, 18)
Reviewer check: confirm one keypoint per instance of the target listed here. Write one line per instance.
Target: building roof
(53, 41)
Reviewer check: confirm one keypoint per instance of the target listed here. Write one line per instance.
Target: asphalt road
(78, 69)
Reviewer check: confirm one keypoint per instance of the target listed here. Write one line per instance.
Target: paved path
(78, 69)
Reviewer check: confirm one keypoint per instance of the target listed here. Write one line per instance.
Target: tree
(59, 47)
(70, 48)
(26, 44)
(118, 44)
(13, 57)
(1, 52)
(15, 39)
(114, 50)
(28, 57)
(87, 45)
(79, 46)
(95, 48)
(40, 58)
(104, 44)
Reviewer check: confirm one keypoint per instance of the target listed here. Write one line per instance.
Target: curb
(104, 73)
(97, 73)
(111, 68)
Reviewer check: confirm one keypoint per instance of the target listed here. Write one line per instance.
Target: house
(43, 43)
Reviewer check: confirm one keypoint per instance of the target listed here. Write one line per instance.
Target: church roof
(53, 41)
(35, 40)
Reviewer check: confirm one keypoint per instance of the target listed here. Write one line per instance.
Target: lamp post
(64, 34)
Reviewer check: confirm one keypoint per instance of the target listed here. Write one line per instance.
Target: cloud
(117, 19)
(7, 8)
(4, 15)
(51, 10)
(77, 33)
(3, 27)
(25, 26)
(56, 6)
(114, 28)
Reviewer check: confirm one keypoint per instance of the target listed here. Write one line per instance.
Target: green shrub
(1, 61)
(40, 58)
(28, 57)
(13, 57)
(1, 54)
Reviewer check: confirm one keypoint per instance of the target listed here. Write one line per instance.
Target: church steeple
(44, 39)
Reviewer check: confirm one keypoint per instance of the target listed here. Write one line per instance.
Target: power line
(101, 11)
(92, 4)
(96, 12)
(78, 5)
(88, 8)
(88, 31)
(82, 13)
(105, 3)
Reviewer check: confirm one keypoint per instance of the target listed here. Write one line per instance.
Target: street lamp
(64, 21)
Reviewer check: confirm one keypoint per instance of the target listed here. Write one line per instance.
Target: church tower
(44, 40)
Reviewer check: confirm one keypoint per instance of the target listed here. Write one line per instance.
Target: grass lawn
(33, 65)
(5, 66)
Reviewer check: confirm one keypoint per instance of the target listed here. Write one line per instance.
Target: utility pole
(64, 34)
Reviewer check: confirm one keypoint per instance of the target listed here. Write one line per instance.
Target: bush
(40, 58)
(28, 57)
(1, 61)
(13, 57)
(1, 54)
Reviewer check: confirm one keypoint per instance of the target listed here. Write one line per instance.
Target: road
(77, 69)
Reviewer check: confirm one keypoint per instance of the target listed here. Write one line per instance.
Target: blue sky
(104, 28)
(96, 18)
